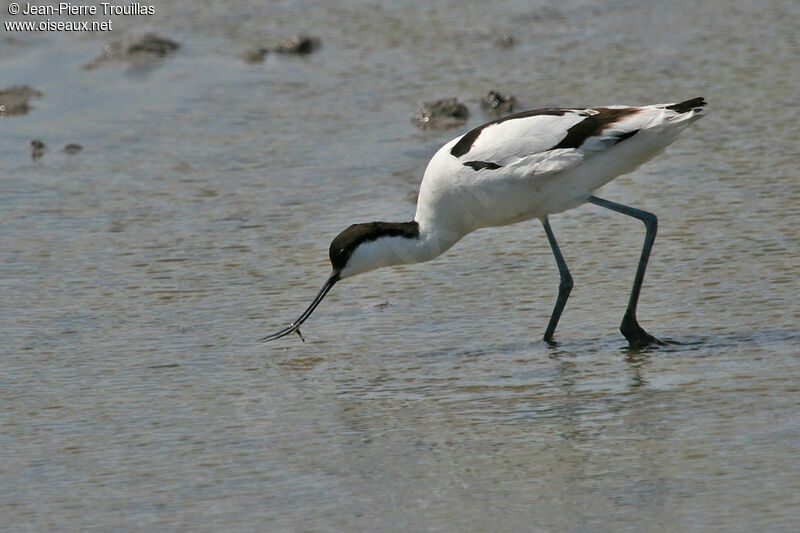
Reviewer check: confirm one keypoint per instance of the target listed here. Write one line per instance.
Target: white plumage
(533, 179)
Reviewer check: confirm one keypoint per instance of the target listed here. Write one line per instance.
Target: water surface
(137, 275)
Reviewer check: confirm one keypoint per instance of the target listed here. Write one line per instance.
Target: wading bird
(519, 167)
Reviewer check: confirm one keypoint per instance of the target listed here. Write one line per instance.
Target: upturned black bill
(295, 326)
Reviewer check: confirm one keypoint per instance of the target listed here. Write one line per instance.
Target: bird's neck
(435, 240)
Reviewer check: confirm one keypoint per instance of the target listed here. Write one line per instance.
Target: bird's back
(544, 161)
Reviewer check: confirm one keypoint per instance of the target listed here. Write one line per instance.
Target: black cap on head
(343, 245)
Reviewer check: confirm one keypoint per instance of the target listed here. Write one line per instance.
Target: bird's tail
(688, 105)
(695, 106)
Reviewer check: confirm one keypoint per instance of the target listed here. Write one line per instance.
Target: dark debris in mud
(298, 45)
(505, 40)
(38, 148)
(72, 148)
(444, 113)
(497, 103)
(301, 45)
(14, 100)
(134, 50)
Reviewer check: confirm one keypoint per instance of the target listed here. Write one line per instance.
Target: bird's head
(364, 247)
(358, 249)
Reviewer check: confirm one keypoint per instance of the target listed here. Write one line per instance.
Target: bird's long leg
(636, 335)
(564, 287)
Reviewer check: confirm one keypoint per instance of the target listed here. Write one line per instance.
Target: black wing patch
(465, 143)
(622, 136)
(480, 165)
(594, 125)
(590, 126)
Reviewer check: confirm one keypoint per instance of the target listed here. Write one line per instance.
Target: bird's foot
(637, 337)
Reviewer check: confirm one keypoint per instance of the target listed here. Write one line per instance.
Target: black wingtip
(688, 105)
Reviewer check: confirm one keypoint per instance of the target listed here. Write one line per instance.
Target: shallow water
(138, 274)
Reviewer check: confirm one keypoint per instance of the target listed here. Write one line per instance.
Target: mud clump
(300, 45)
(38, 148)
(256, 55)
(497, 103)
(72, 148)
(444, 113)
(135, 50)
(14, 100)
(505, 40)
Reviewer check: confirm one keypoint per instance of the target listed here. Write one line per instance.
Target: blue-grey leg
(564, 287)
(636, 335)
